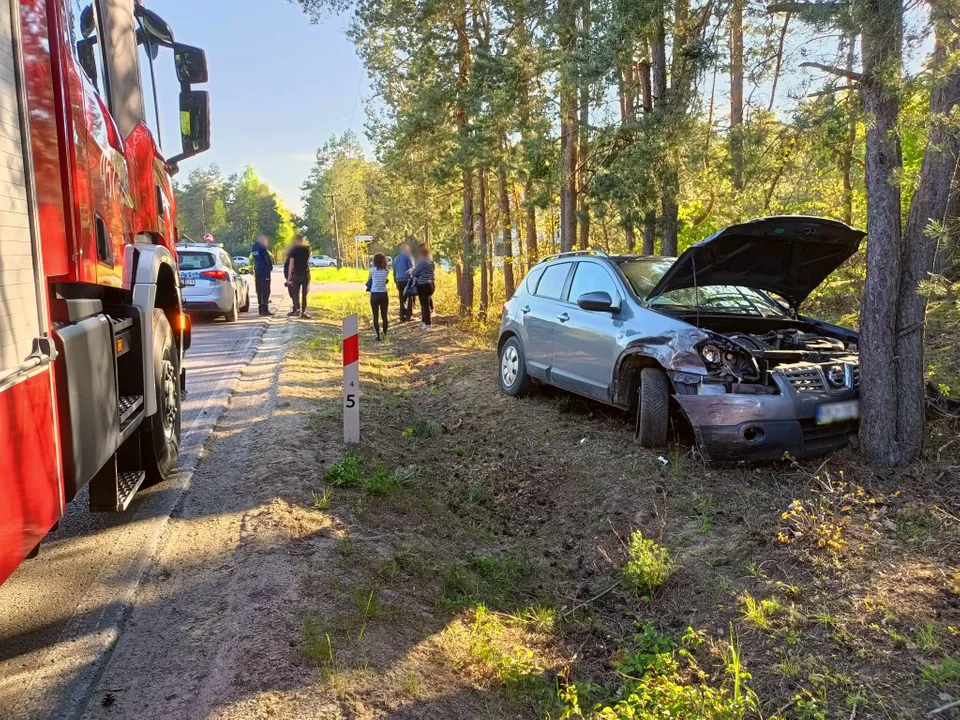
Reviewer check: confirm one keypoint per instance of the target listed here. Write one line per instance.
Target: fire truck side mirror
(191, 64)
(194, 124)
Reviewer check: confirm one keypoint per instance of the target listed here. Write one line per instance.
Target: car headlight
(711, 354)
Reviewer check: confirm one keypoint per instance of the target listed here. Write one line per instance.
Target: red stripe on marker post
(351, 379)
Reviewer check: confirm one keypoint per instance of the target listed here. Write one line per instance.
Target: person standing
(262, 268)
(402, 265)
(297, 272)
(423, 273)
(379, 300)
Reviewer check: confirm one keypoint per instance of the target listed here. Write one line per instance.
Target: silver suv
(210, 283)
(715, 335)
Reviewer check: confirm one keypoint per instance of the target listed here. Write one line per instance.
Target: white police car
(210, 282)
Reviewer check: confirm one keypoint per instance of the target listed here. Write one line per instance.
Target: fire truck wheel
(161, 440)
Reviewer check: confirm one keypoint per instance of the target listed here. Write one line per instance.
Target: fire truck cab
(91, 330)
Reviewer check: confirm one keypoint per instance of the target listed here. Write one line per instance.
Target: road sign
(351, 379)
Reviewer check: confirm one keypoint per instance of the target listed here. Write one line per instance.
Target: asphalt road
(61, 613)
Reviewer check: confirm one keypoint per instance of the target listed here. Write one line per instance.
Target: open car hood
(789, 255)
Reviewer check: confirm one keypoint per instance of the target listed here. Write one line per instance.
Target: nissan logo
(837, 375)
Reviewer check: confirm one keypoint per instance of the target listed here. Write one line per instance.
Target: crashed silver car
(714, 336)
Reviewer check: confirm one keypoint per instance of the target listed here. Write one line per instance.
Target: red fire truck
(91, 330)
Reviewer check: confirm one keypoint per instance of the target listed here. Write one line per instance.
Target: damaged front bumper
(735, 426)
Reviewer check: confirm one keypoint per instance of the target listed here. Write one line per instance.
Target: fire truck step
(127, 485)
(129, 404)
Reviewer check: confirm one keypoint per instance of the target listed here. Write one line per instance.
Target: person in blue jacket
(262, 268)
(402, 265)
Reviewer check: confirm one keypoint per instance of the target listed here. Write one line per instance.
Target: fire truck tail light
(214, 274)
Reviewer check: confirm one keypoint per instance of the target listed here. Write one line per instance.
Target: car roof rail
(574, 253)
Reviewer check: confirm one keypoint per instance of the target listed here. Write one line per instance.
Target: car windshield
(195, 260)
(643, 276)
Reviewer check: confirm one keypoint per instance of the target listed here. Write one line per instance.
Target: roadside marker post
(351, 379)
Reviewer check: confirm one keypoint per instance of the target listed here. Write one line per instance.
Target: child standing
(379, 299)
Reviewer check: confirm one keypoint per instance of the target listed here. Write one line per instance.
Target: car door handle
(525, 309)
(563, 317)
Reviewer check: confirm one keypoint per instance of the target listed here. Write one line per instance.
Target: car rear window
(195, 260)
(553, 280)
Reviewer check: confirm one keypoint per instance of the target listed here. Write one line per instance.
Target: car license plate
(838, 412)
(187, 281)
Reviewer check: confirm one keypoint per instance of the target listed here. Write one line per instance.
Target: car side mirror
(194, 124)
(597, 302)
(191, 63)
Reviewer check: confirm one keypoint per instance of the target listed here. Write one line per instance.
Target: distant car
(241, 261)
(210, 282)
(319, 261)
(715, 336)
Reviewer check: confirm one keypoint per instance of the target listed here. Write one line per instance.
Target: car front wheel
(514, 379)
(653, 408)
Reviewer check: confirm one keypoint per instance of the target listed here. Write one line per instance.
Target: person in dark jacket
(402, 265)
(297, 272)
(262, 267)
(423, 273)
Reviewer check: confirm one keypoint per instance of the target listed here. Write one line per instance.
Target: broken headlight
(727, 360)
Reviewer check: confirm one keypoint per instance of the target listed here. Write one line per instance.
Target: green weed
(382, 482)
(941, 673)
(649, 565)
(759, 612)
(321, 501)
(347, 472)
(422, 428)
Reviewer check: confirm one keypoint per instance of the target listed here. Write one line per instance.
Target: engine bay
(744, 361)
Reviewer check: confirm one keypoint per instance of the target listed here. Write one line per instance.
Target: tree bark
(464, 65)
(568, 126)
(649, 232)
(882, 51)
(846, 160)
(507, 225)
(736, 93)
(928, 205)
(630, 235)
(533, 253)
(484, 241)
(584, 140)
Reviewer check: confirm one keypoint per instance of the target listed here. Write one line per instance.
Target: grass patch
(759, 612)
(321, 501)
(422, 428)
(942, 673)
(383, 482)
(347, 472)
(341, 275)
(495, 580)
(649, 565)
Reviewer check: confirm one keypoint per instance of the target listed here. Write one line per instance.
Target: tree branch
(854, 76)
(832, 90)
(790, 6)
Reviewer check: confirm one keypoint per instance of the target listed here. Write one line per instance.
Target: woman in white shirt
(379, 299)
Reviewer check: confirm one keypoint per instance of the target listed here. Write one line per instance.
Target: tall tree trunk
(736, 93)
(568, 126)
(507, 225)
(465, 60)
(533, 254)
(584, 149)
(630, 234)
(846, 160)
(670, 179)
(484, 240)
(649, 232)
(928, 205)
(882, 50)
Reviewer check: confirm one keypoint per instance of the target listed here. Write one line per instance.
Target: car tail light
(214, 274)
(503, 310)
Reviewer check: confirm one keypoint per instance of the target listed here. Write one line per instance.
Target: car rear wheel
(514, 379)
(653, 408)
(233, 315)
(246, 303)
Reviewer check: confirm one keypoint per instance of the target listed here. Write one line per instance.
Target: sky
(279, 86)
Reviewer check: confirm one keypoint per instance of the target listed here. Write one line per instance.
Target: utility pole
(336, 229)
